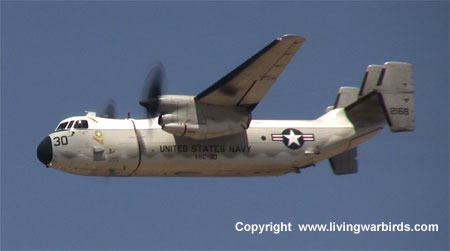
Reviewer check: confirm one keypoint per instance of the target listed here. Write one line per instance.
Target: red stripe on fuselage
(139, 148)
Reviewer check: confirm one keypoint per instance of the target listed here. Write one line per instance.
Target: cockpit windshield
(62, 126)
(79, 124)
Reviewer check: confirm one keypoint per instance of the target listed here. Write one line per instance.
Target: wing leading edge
(246, 85)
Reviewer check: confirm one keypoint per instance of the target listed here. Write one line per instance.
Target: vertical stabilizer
(345, 163)
(370, 80)
(346, 96)
(395, 86)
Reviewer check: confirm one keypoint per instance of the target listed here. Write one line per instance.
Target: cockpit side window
(70, 125)
(81, 124)
(62, 126)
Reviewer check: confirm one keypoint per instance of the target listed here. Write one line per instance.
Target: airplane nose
(45, 151)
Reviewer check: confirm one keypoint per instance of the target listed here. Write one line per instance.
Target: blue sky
(59, 59)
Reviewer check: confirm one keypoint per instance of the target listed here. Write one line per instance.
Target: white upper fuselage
(129, 147)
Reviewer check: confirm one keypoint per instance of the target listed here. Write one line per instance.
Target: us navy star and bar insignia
(292, 138)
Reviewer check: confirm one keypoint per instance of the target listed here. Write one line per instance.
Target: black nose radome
(45, 151)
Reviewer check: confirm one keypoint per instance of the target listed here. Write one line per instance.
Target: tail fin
(346, 96)
(395, 86)
(387, 93)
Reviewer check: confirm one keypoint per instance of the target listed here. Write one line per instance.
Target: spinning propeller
(150, 94)
(109, 110)
(153, 89)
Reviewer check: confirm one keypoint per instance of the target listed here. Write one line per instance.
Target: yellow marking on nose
(99, 140)
(92, 119)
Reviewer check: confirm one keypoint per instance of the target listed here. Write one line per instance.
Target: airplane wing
(246, 85)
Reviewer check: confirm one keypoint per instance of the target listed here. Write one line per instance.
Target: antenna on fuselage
(89, 113)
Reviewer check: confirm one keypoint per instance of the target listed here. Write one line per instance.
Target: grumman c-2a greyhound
(213, 133)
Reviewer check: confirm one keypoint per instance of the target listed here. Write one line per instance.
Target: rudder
(396, 91)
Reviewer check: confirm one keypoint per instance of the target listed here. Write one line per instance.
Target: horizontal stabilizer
(345, 163)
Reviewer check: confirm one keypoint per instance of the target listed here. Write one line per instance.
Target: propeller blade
(109, 111)
(153, 89)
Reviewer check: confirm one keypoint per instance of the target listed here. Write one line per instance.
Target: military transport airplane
(213, 133)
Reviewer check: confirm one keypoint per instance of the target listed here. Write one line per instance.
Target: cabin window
(70, 125)
(62, 126)
(81, 124)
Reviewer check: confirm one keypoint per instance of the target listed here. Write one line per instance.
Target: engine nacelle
(183, 116)
(204, 131)
(171, 103)
(165, 119)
